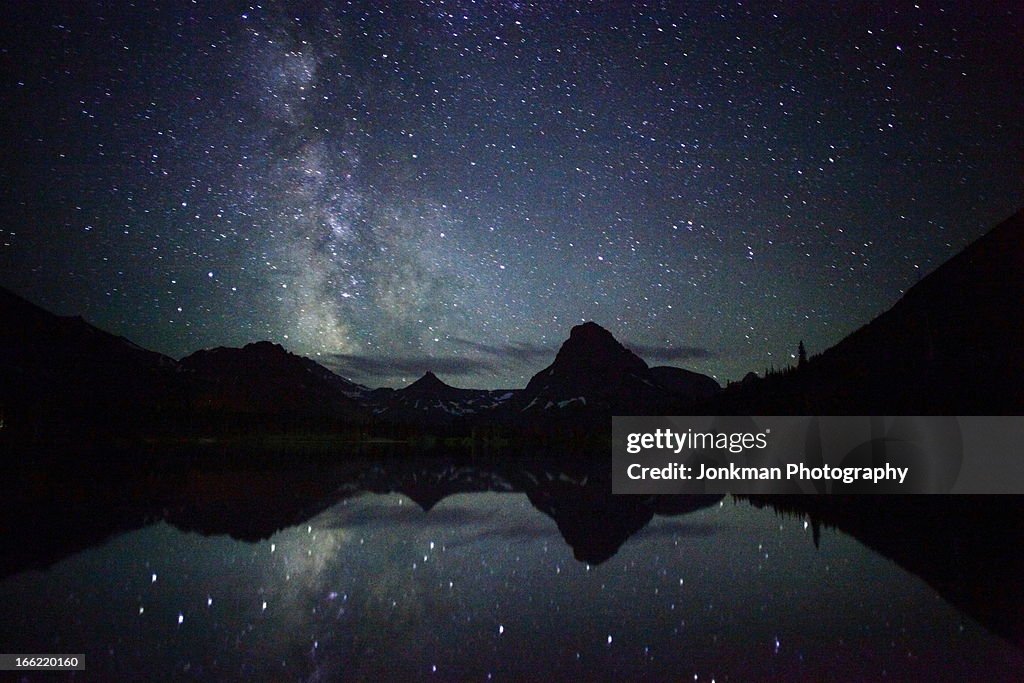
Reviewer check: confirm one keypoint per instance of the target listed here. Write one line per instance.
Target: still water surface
(483, 587)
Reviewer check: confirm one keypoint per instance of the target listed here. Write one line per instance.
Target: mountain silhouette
(429, 385)
(686, 385)
(952, 345)
(265, 378)
(594, 373)
(591, 371)
(60, 373)
(429, 400)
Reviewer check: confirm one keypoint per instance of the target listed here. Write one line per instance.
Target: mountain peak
(265, 347)
(591, 346)
(590, 329)
(264, 344)
(264, 377)
(591, 369)
(428, 382)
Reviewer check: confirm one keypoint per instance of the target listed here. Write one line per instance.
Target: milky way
(391, 188)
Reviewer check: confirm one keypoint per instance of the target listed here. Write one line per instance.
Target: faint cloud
(652, 352)
(519, 351)
(351, 364)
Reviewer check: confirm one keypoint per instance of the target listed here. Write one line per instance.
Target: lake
(440, 571)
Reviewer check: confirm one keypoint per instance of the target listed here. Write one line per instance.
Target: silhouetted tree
(801, 355)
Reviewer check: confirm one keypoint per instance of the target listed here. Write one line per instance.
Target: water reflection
(372, 583)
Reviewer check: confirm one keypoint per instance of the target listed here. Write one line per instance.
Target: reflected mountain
(969, 549)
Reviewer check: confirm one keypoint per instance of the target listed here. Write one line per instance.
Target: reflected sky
(483, 587)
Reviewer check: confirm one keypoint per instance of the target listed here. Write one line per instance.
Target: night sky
(451, 185)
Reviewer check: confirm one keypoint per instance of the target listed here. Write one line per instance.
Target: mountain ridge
(951, 345)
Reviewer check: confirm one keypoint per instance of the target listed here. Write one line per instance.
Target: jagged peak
(429, 381)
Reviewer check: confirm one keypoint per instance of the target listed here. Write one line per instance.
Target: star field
(452, 185)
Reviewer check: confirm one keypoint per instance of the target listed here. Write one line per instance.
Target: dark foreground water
(486, 586)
